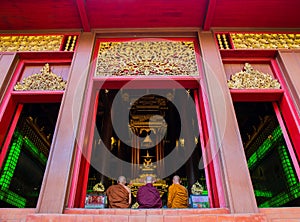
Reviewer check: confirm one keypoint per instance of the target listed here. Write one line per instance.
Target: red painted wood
(88, 153)
(287, 140)
(256, 13)
(93, 14)
(292, 124)
(79, 178)
(48, 14)
(37, 96)
(155, 13)
(209, 15)
(238, 54)
(208, 167)
(256, 95)
(147, 82)
(62, 56)
(81, 5)
(10, 133)
(210, 156)
(8, 106)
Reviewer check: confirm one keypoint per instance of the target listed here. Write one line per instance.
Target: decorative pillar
(54, 189)
(235, 189)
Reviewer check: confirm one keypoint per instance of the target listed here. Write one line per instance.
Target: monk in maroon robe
(148, 196)
(119, 195)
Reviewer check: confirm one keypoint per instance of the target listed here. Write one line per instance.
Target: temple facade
(80, 106)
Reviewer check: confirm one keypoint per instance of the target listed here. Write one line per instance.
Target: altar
(148, 169)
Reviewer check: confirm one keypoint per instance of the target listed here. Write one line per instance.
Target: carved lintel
(146, 58)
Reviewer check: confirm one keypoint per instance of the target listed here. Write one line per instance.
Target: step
(147, 215)
(15, 214)
(282, 214)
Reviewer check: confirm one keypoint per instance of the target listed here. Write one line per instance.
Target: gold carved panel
(265, 41)
(145, 58)
(45, 80)
(34, 43)
(249, 78)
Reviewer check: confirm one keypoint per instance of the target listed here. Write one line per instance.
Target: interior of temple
(273, 176)
(23, 170)
(146, 133)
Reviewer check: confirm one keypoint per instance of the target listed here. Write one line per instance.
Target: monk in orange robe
(119, 195)
(178, 195)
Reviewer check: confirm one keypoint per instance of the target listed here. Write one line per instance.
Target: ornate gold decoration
(249, 78)
(265, 40)
(99, 187)
(70, 46)
(222, 40)
(197, 188)
(14, 43)
(45, 80)
(146, 58)
(148, 169)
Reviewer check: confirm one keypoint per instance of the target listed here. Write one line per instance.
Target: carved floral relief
(146, 58)
(249, 78)
(45, 80)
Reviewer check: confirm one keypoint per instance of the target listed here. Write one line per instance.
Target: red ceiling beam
(83, 15)
(209, 14)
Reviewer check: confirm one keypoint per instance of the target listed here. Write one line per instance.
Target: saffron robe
(148, 197)
(118, 196)
(177, 196)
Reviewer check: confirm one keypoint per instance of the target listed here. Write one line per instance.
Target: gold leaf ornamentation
(99, 187)
(45, 80)
(146, 58)
(265, 40)
(32, 43)
(249, 78)
(197, 188)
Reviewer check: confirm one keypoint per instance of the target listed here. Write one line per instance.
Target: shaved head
(149, 179)
(122, 179)
(176, 179)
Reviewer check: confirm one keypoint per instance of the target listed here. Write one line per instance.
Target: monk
(119, 195)
(178, 195)
(148, 196)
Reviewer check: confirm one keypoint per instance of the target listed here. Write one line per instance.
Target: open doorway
(146, 131)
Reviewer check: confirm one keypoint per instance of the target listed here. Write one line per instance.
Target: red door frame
(78, 186)
(13, 101)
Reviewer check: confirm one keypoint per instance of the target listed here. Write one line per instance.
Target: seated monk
(148, 196)
(177, 195)
(119, 195)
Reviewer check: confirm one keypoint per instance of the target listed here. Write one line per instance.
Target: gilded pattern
(249, 78)
(45, 80)
(30, 43)
(146, 58)
(265, 41)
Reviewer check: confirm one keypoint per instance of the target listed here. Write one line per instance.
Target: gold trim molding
(145, 58)
(265, 40)
(249, 78)
(45, 80)
(21, 43)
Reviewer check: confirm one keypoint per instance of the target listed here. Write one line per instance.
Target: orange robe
(118, 196)
(177, 196)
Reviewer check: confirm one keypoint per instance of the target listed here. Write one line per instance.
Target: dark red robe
(148, 197)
